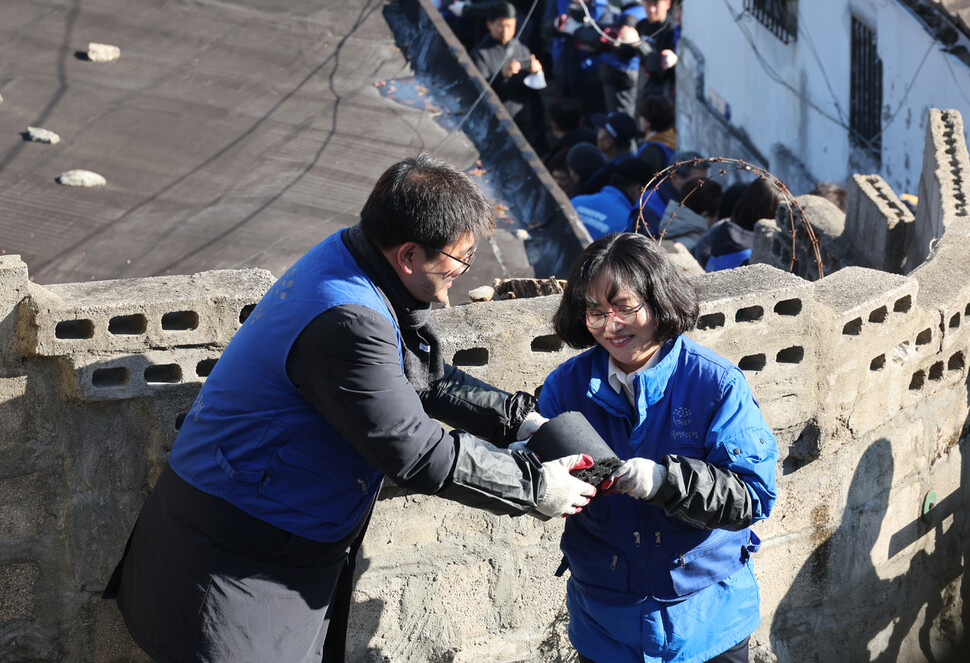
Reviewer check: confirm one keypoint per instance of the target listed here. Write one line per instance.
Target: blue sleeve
(740, 440)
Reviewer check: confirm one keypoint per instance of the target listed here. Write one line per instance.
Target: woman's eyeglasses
(595, 319)
(466, 261)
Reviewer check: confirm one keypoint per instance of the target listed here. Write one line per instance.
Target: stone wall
(862, 374)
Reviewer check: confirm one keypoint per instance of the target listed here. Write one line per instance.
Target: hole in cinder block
(924, 336)
(749, 314)
(878, 363)
(955, 362)
(919, 377)
(967, 311)
(547, 343)
(853, 327)
(128, 324)
(107, 378)
(163, 374)
(936, 371)
(710, 321)
(955, 321)
(180, 419)
(74, 329)
(471, 357)
(789, 307)
(792, 355)
(180, 321)
(244, 313)
(753, 363)
(879, 315)
(903, 304)
(204, 367)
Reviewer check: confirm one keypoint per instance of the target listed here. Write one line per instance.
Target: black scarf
(422, 351)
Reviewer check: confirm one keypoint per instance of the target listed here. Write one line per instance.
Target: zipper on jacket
(616, 558)
(636, 538)
(657, 534)
(683, 563)
(363, 485)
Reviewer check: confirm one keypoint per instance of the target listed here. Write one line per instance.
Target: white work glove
(458, 7)
(532, 422)
(565, 494)
(640, 478)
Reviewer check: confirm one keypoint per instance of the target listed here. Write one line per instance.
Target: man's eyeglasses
(623, 314)
(466, 261)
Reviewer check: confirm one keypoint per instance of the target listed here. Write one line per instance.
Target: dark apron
(201, 580)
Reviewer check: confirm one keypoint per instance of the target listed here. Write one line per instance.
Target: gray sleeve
(704, 495)
(465, 402)
(347, 365)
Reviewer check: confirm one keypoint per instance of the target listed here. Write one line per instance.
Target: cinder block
(138, 315)
(877, 224)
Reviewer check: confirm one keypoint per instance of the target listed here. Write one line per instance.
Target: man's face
(657, 10)
(502, 29)
(432, 277)
(604, 141)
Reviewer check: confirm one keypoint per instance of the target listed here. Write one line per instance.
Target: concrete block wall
(877, 223)
(862, 374)
(943, 182)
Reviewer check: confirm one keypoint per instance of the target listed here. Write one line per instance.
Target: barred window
(865, 89)
(779, 16)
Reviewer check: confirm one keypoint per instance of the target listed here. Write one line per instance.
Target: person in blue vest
(660, 562)
(615, 137)
(245, 548)
(609, 210)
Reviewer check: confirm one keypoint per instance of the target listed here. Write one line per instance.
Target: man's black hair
(639, 263)
(425, 200)
(759, 201)
(566, 113)
(658, 110)
(499, 10)
(702, 195)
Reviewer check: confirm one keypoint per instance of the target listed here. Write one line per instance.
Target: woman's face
(633, 343)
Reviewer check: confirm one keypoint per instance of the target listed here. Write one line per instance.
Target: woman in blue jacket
(660, 566)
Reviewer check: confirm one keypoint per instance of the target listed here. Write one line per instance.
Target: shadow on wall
(839, 578)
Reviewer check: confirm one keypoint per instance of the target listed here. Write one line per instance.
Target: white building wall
(793, 101)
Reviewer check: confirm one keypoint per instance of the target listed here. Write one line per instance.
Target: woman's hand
(640, 478)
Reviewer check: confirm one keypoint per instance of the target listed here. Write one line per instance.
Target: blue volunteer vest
(253, 440)
(621, 550)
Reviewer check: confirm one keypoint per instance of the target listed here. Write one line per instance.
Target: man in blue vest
(608, 211)
(244, 550)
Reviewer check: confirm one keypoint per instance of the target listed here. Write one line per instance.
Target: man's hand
(565, 494)
(532, 422)
(628, 35)
(640, 478)
(535, 66)
(511, 68)
(667, 59)
(568, 25)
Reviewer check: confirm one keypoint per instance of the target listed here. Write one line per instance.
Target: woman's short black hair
(759, 201)
(639, 263)
(425, 200)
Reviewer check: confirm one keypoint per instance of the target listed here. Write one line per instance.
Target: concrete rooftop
(232, 133)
